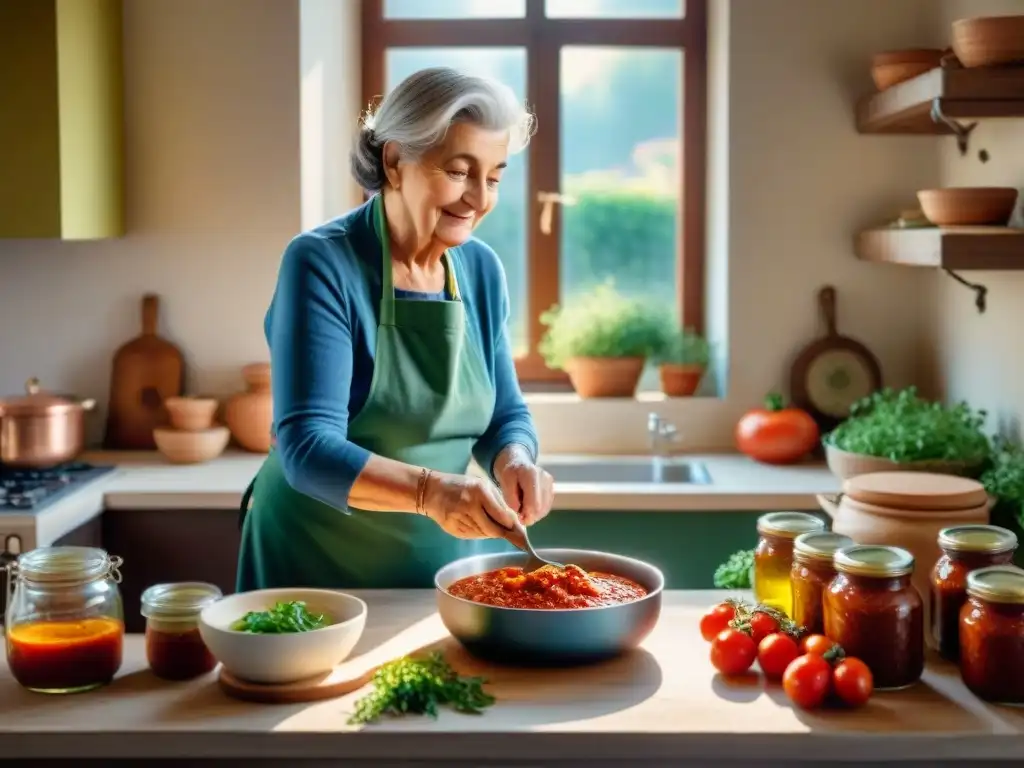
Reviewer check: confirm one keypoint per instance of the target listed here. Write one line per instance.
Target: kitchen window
(612, 185)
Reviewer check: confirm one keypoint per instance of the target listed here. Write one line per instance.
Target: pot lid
(916, 491)
(35, 400)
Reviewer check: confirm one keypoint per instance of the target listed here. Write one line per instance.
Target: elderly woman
(391, 361)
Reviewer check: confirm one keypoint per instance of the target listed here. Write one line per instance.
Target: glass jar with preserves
(65, 619)
(773, 557)
(992, 634)
(965, 548)
(876, 614)
(811, 574)
(174, 648)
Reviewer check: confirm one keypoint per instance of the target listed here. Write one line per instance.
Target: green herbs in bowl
(276, 636)
(906, 431)
(292, 616)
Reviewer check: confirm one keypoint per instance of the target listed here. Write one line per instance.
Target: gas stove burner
(30, 489)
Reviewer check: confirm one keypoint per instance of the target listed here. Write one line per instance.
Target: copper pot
(41, 429)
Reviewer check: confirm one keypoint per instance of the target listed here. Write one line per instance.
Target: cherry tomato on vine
(732, 652)
(762, 625)
(807, 680)
(715, 620)
(775, 653)
(852, 682)
(816, 644)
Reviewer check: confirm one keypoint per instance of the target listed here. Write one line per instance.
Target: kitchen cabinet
(61, 99)
(161, 545)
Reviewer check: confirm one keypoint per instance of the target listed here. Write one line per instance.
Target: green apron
(430, 399)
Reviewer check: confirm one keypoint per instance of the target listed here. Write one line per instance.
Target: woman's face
(449, 190)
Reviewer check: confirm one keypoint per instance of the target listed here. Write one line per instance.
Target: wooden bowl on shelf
(191, 414)
(989, 41)
(892, 67)
(968, 206)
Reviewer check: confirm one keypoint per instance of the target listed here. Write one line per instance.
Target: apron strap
(243, 508)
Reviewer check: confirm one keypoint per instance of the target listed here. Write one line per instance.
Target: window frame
(543, 38)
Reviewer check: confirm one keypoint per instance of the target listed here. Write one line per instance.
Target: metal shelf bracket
(980, 291)
(961, 131)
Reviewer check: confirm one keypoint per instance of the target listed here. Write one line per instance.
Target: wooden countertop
(661, 703)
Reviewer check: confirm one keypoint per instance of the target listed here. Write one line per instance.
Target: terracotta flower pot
(605, 376)
(249, 415)
(680, 380)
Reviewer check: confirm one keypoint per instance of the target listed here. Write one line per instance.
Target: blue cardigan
(322, 328)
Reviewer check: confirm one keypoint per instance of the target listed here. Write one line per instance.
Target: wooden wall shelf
(951, 248)
(954, 93)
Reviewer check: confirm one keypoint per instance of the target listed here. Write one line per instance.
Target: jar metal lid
(181, 600)
(874, 560)
(997, 584)
(789, 525)
(977, 538)
(66, 565)
(819, 545)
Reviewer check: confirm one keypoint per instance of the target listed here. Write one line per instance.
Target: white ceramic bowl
(284, 658)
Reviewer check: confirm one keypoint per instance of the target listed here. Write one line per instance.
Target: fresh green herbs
(903, 427)
(283, 618)
(418, 687)
(737, 571)
(1004, 480)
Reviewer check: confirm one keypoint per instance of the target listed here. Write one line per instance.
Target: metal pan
(545, 637)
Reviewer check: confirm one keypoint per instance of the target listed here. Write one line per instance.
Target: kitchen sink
(627, 469)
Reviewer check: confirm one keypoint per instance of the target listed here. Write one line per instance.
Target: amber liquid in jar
(965, 548)
(811, 574)
(873, 611)
(773, 557)
(174, 647)
(992, 635)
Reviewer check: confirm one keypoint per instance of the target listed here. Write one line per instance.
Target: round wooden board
(916, 491)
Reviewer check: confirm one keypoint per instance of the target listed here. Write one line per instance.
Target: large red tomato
(776, 434)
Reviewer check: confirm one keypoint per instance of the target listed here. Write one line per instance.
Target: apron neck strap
(387, 293)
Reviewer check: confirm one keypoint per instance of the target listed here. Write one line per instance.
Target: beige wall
(980, 358)
(213, 133)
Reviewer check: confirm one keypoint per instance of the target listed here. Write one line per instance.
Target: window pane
(614, 9)
(505, 227)
(454, 9)
(624, 178)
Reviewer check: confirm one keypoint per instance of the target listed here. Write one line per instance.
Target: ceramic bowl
(191, 414)
(184, 447)
(283, 658)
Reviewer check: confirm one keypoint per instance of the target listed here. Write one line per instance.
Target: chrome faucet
(661, 433)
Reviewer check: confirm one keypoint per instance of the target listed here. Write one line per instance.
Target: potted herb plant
(682, 361)
(602, 339)
(899, 430)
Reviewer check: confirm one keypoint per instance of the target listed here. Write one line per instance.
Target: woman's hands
(528, 489)
(467, 507)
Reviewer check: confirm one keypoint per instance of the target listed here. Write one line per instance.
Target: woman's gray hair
(417, 113)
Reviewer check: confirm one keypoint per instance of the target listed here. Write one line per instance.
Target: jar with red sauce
(965, 548)
(773, 557)
(875, 613)
(174, 648)
(811, 574)
(992, 634)
(65, 620)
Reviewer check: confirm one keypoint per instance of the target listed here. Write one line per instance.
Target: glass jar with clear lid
(992, 634)
(876, 614)
(965, 548)
(65, 619)
(812, 573)
(174, 648)
(773, 557)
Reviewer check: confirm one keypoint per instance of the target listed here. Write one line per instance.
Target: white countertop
(147, 481)
(660, 705)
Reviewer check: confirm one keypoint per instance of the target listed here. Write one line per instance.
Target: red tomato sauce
(65, 655)
(547, 588)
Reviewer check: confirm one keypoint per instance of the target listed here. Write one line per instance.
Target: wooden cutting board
(353, 673)
(146, 371)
